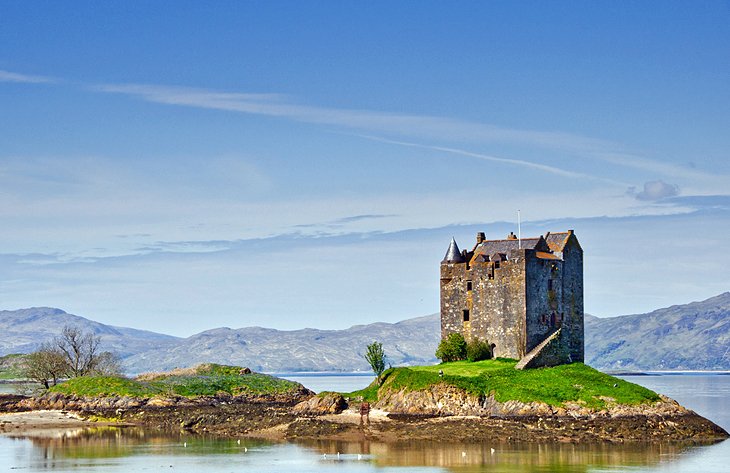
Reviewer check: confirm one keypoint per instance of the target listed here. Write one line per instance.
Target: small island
(459, 401)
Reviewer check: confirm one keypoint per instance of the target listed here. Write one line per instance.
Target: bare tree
(46, 365)
(80, 349)
(107, 364)
(74, 353)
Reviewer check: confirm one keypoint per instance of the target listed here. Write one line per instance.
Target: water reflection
(507, 456)
(118, 449)
(53, 450)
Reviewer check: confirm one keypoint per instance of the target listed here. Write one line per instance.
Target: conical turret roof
(453, 254)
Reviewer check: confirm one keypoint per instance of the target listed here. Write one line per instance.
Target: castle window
(468, 285)
(550, 284)
(496, 264)
(466, 315)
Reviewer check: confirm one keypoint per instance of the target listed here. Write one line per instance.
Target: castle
(522, 296)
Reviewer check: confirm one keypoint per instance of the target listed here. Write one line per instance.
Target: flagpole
(519, 230)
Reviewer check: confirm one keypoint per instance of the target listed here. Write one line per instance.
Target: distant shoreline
(305, 374)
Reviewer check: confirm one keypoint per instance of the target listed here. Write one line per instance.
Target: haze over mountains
(693, 336)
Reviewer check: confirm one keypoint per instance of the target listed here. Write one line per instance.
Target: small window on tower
(466, 315)
(468, 285)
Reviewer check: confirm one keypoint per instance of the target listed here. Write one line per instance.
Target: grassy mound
(203, 380)
(554, 386)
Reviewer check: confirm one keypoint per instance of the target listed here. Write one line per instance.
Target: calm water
(127, 450)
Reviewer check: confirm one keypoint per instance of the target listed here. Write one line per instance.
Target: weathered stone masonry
(514, 294)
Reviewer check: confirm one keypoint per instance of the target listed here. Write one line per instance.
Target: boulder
(325, 403)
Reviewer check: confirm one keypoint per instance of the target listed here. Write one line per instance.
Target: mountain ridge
(688, 336)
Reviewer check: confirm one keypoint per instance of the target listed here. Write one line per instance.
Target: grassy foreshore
(498, 378)
(203, 380)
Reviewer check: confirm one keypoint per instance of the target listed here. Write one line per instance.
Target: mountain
(411, 342)
(23, 330)
(693, 336)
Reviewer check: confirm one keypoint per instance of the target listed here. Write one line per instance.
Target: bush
(452, 348)
(478, 350)
(376, 357)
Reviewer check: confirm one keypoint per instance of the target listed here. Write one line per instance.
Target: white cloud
(404, 124)
(7, 76)
(420, 126)
(515, 162)
(657, 190)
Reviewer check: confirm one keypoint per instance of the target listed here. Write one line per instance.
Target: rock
(327, 403)
(244, 371)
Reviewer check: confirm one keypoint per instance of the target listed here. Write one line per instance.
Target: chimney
(511, 236)
(480, 237)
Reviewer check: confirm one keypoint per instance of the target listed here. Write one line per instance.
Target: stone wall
(573, 298)
(499, 306)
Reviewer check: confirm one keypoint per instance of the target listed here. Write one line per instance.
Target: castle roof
(490, 247)
(453, 255)
(556, 241)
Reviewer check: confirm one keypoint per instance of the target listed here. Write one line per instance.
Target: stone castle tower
(524, 297)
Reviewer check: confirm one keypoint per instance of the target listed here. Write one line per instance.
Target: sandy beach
(42, 423)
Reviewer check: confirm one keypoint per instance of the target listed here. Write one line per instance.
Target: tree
(107, 364)
(375, 356)
(80, 350)
(478, 350)
(46, 365)
(72, 354)
(452, 348)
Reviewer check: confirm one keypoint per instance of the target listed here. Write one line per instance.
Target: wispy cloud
(359, 218)
(7, 76)
(416, 126)
(404, 124)
(515, 162)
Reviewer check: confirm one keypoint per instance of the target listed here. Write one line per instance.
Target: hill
(406, 343)
(23, 330)
(693, 336)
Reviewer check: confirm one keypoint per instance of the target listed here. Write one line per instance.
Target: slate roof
(490, 247)
(545, 246)
(557, 240)
(453, 255)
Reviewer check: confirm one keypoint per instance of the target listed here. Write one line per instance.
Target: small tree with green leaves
(478, 350)
(375, 356)
(452, 348)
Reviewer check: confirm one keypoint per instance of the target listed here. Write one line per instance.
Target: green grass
(369, 394)
(104, 386)
(204, 380)
(554, 386)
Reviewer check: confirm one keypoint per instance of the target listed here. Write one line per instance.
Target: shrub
(376, 357)
(452, 348)
(478, 350)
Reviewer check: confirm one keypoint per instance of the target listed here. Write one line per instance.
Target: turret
(453, 255)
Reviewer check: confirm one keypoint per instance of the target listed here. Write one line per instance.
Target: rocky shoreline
(302, 415)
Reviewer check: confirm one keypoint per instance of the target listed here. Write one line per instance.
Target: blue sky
(177, 166)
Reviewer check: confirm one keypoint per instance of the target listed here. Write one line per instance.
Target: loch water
(131, 449)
